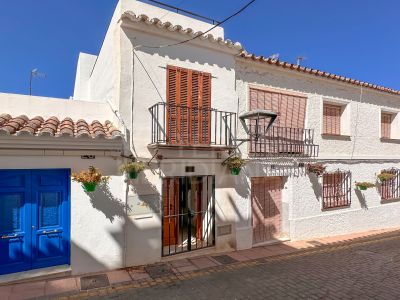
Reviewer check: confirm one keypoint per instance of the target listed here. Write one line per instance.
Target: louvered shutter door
(291, 109)
(205, 105)
(172, 101)
(189, 123)
(386, 121)
(331, 119)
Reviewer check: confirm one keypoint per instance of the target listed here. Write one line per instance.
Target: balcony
(176, 126)
(282, 142)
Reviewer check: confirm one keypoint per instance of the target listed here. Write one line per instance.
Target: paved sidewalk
(180, 270)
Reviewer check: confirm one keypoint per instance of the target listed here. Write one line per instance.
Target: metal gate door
(266, 197)
(34, 219)
(188, 214)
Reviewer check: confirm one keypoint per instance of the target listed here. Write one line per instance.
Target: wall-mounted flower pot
(235, 171)
(89, 186)
(133, 174)
(361, 188)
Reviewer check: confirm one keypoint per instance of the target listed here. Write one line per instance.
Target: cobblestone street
(365, 270)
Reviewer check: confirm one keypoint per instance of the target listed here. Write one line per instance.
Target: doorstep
(272, 242)
(37, 274)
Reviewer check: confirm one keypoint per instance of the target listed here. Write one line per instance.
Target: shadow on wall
(103, 200)
(361, 198)
(316, 186)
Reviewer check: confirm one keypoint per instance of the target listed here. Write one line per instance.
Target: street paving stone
(366, 270)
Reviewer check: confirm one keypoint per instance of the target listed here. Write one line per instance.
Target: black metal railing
(282, 141)
(178, 125)
(336, 189)
(390, 189)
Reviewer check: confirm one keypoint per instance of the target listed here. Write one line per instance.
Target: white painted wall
(363, 153)
(84, 69)
(15, 105)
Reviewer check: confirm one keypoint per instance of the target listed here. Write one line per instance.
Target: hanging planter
(132, 169)
(89, 178)
(317, 169)
(235, 164)
(362, 186)
(385, 176)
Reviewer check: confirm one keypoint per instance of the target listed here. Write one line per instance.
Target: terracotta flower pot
(235, 171)
(89, 186)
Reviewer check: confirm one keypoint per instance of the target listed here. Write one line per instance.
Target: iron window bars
(282, 141)
(336, 189)
(390, 189)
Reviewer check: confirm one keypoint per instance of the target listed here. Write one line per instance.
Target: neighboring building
(177, 108)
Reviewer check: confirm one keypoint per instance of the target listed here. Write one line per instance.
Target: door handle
(9, 236)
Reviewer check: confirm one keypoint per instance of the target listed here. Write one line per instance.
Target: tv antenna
(274, 56)
(299, 59)
(34, 73)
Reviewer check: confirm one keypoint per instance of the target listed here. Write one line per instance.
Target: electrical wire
(203, 33)
(166, 14)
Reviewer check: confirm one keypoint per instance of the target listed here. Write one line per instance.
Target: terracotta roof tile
(315, 72)
(129, 15)
(38, 126)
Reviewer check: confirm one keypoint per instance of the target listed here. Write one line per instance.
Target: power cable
(199, 35)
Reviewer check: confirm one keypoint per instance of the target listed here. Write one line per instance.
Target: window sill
(383, 201)
(388, 140)
(336, 137)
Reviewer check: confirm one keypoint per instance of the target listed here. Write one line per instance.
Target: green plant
(90, 178)
(385, 176)
(235, 164)
(317, 169)
(364, 185)
(133, 168)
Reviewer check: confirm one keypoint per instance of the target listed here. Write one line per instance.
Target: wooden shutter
(331, 119)
(291, 109)
(188, 106)
(386, 123)
(170, 198)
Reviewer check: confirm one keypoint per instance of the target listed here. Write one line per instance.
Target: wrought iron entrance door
(188, 214)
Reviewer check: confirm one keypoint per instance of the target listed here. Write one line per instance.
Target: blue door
(34, 219)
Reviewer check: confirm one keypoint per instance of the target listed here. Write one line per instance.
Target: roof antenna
(34, 73)
(299, 59)
(274, 56)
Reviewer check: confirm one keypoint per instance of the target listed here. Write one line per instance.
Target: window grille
(336, 191)
(390, 189)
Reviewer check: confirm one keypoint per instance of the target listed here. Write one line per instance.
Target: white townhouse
(180, 109)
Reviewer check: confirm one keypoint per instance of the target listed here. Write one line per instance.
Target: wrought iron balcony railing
(282, 141)
(176, 125)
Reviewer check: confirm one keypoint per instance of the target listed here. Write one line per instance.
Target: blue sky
(355, 38)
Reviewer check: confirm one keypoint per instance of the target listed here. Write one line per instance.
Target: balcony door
(287, 134)
(188, 107)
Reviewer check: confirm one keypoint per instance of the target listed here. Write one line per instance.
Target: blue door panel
(34, 219)
(15, 228)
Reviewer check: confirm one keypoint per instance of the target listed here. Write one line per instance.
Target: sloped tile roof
(316, 72)
(53, 127)
(179, 29)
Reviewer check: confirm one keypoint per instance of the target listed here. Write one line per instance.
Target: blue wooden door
(35, 219)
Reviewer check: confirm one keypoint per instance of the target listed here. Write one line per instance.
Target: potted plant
(235, 164)
(133, 168)
(89, 178)
(317, 169)
(362, 186)
(385, 176)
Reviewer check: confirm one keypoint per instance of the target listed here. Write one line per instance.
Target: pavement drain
(157, 271)
(224, 259)
(94, 282)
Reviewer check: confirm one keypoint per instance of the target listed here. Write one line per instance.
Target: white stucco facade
(128, 76)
